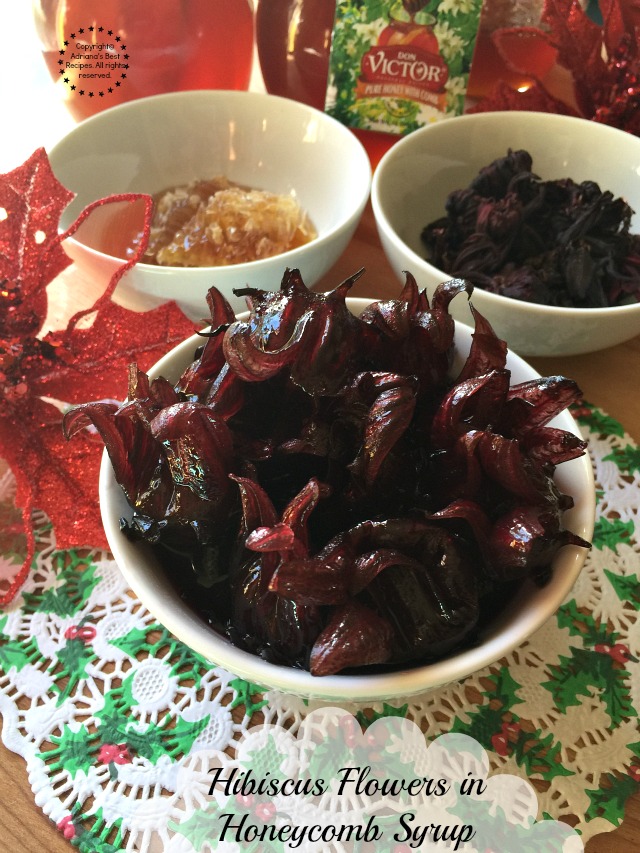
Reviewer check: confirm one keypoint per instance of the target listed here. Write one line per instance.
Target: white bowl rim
(364, 173)
(508, 116)
(362, 687)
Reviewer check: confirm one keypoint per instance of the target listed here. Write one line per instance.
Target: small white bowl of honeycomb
(245, 185)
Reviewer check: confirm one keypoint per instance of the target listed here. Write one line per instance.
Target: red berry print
(66, 827)
(265, 811)
(500, 744)
(112, 753)
(245, 800)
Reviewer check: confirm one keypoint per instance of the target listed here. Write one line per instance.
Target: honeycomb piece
(217, 223)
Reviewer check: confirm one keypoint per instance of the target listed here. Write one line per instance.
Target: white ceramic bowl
(254, 139)
(413, 180)
(532, 607)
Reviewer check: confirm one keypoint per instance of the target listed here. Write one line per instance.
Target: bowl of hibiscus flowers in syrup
(540, 212)
(345, 499)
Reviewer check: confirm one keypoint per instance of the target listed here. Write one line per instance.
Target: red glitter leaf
(577, 38)
(31, 201)
(597, 70)
(96, 369)
(39, 376)
(54, 475)
(91, 363)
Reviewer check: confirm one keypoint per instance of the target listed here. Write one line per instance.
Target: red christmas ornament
(603, 63)
(41, 374)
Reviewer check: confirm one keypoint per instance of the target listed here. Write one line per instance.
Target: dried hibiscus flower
(321, 489)
(550, 242)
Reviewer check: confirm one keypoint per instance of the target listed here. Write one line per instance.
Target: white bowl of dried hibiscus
(541, 212)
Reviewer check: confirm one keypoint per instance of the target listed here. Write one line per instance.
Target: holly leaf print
(484, 723)
(367, 719)
(584, 625)
(201, 827)
(74, 751)
(173, 736)
(586, 673)
(596, 420)
(177, 739)
(132, 642)
(627, 588)
(244, 691)
(185, 663)
(626, 458)
(70, 668)
(539, 755)
(504, 688)
(77, 580)
(481, 725)
(609, 800)
(17, 654)
(93, 840)
(612, 533)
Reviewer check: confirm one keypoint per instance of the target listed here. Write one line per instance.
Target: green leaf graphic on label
(395, 70)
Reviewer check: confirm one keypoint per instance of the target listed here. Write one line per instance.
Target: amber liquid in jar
(171, 44)
(293, 39)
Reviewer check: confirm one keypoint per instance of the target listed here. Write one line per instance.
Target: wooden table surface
(607, 378)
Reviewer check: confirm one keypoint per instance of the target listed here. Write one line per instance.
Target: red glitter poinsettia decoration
(600, 63)
(41, 374)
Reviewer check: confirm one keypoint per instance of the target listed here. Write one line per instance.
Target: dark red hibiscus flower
(325, 493)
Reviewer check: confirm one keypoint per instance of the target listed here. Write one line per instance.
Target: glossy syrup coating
(326, 494)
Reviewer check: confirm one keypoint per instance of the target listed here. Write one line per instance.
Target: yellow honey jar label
(395, 66)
